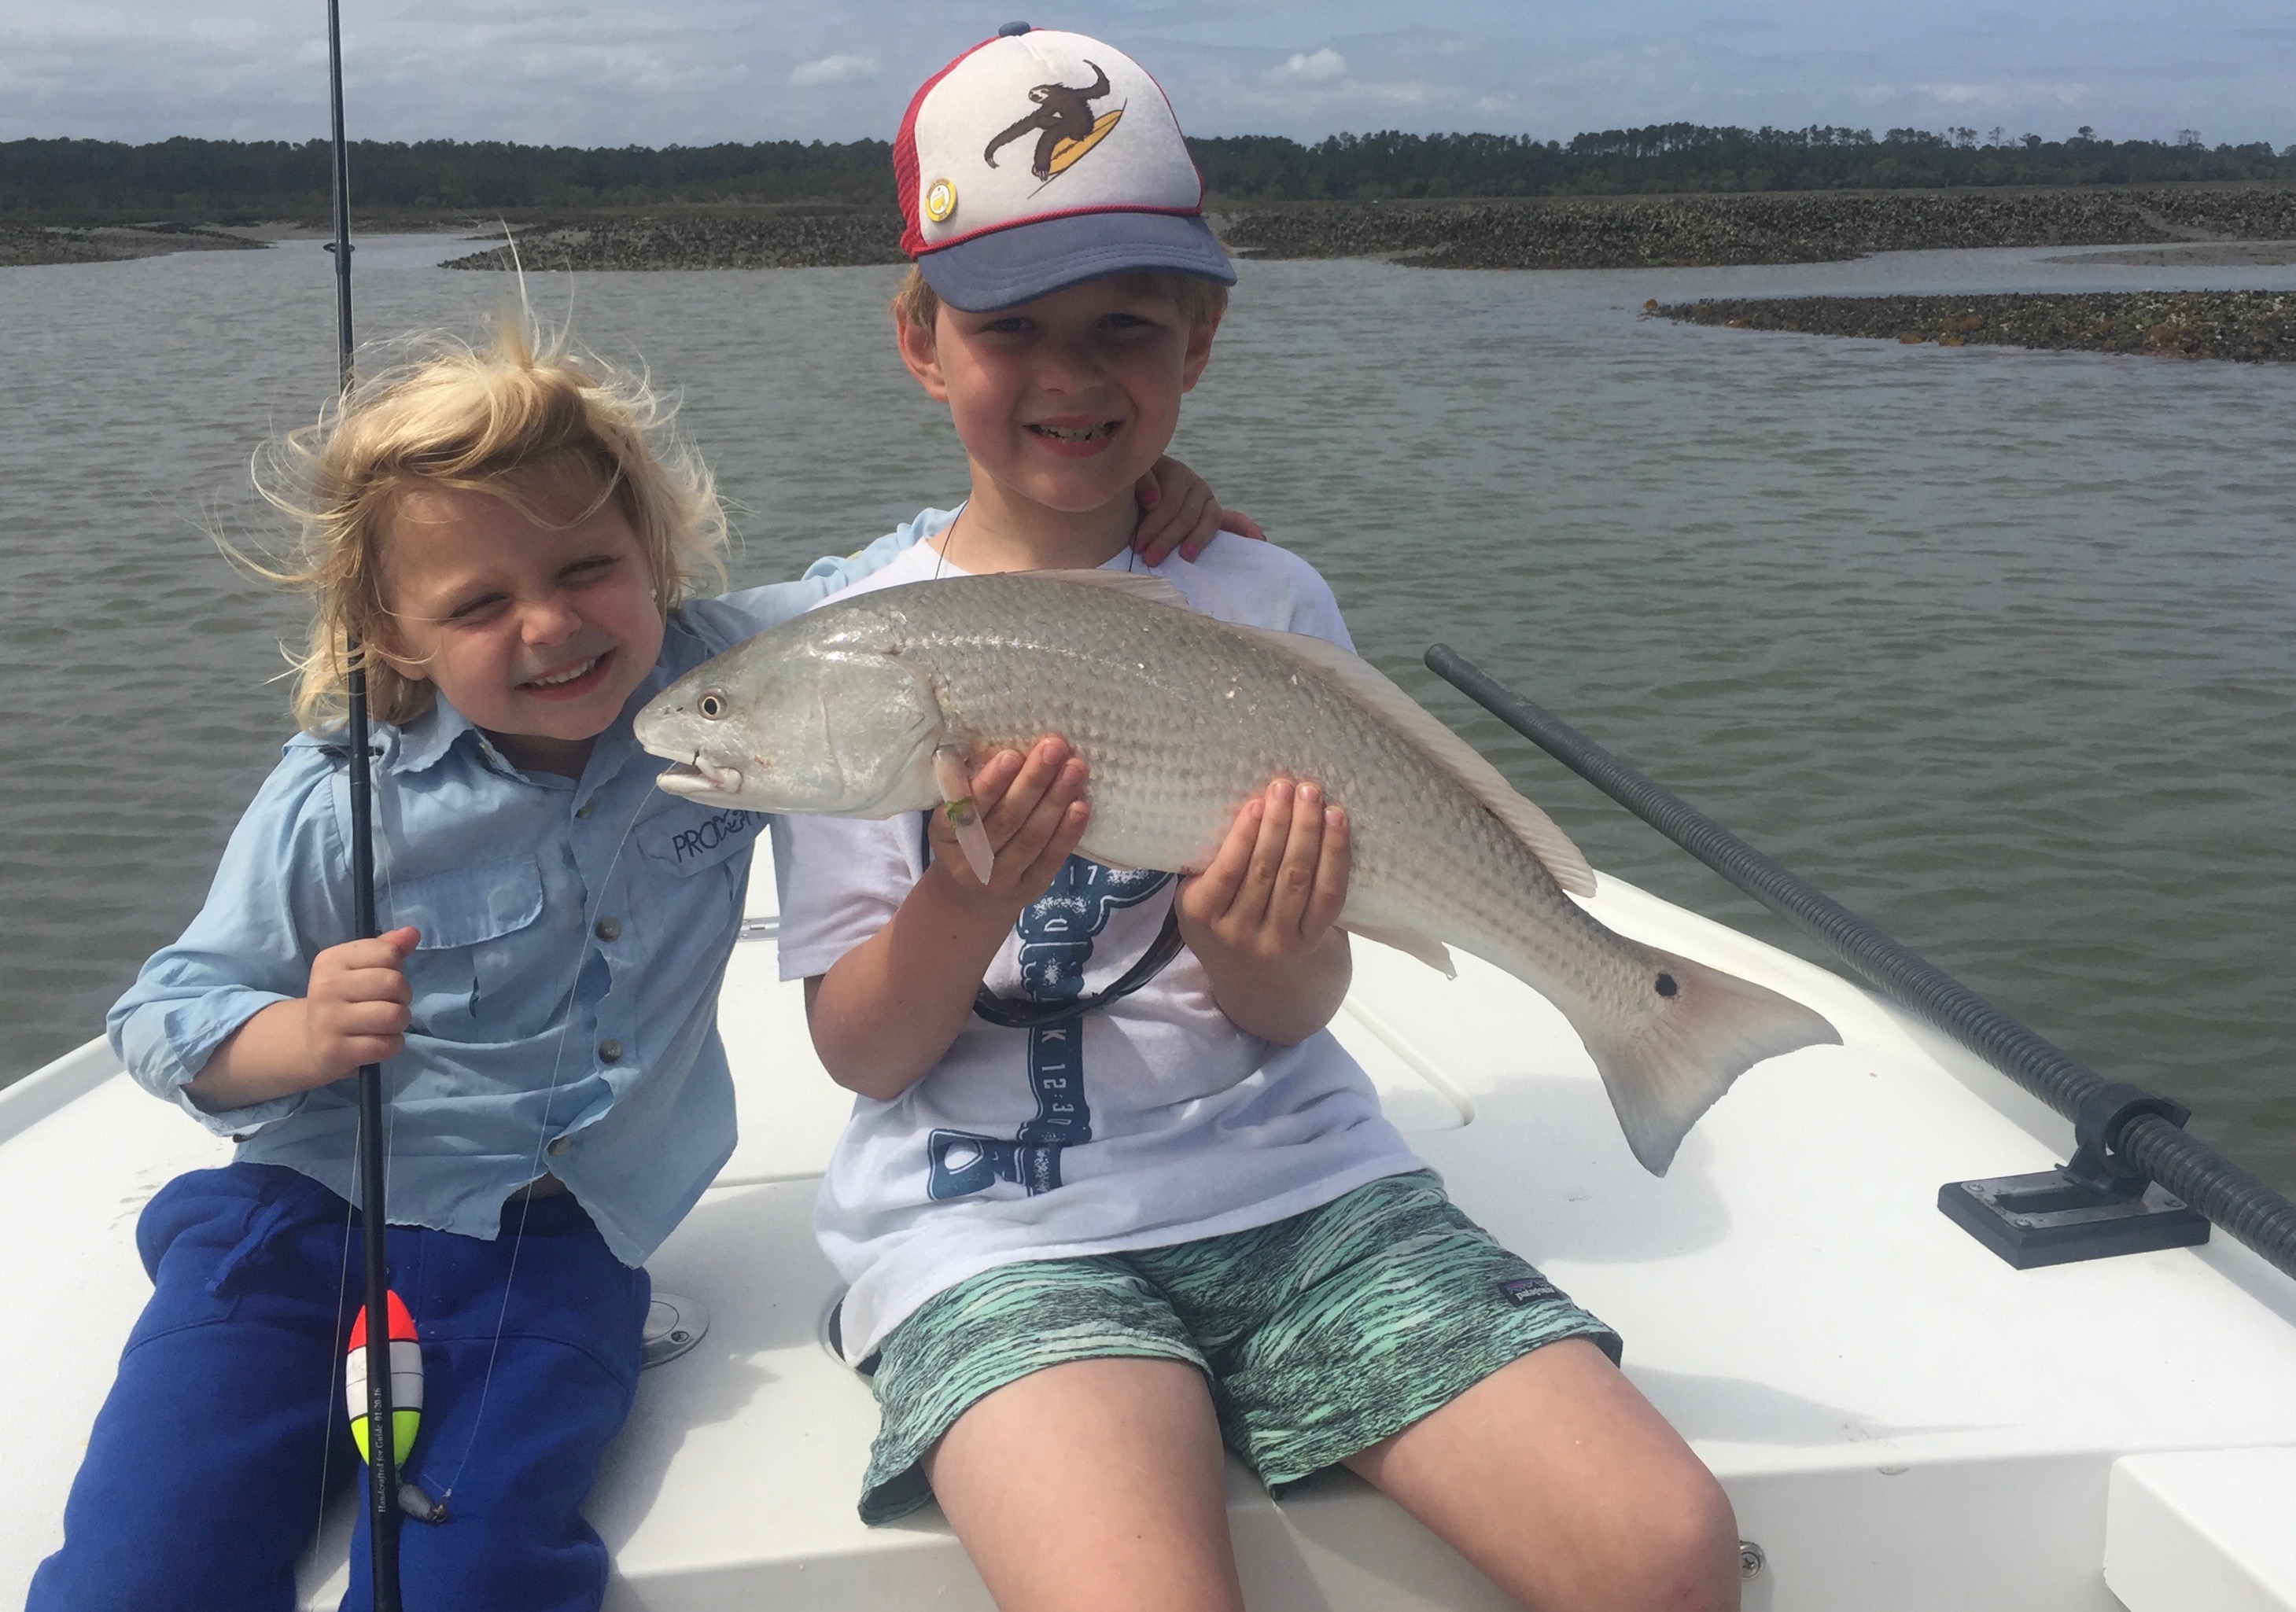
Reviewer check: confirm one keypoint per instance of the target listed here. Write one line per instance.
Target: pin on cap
(1040, 159)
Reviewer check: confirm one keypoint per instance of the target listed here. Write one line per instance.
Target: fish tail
(1665, 1071)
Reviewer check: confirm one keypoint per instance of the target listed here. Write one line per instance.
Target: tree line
(229, 181)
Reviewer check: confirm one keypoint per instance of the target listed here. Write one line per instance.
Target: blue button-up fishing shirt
(565, 991)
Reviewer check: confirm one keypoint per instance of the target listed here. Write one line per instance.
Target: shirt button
(609, 928)
(583, 809)
(559, 1145)
(610, 1052)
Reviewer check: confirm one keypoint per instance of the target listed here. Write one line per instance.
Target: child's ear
(1198, 352)
(387, 649)
(920, 353)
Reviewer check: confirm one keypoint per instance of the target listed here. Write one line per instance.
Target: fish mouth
(697, 779)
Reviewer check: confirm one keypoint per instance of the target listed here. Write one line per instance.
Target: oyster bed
(2248, 326)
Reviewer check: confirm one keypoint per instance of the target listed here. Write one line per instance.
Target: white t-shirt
(1151, 1122)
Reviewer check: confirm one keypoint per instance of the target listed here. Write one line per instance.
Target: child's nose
(548, 619)
(1068, 366)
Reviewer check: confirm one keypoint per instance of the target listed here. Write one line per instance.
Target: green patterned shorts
(1320, 1335)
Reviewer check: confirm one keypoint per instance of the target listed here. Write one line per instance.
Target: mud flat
(1612, 231)
(22, 244)
(2248, 326)
(1805, 227)
(826, 238)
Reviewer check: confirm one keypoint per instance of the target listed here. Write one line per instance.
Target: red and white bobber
(405, 1382)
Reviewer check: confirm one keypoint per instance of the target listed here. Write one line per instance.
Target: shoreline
(1549, 232)
(2247, 327)
(1767, 227)
(2162, 224)
(30, 245)
(672, 240)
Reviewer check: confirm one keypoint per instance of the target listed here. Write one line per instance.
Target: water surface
(1994, 646)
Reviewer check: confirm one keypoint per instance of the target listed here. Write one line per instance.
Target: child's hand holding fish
(1034, 812)
(889, 1010)
(1261, 917)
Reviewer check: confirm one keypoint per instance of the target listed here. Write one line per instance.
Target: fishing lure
(405, 1383)
(956, 799)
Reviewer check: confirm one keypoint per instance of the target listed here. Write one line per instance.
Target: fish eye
(712, 704)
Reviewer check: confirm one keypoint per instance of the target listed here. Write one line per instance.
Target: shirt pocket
(468, 963)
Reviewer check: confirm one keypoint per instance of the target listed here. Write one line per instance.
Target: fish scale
(1172, 757)
(1182, 719)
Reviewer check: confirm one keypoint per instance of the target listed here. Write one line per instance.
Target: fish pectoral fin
(1430, 950)
(1372, 688)
(1139, 584)
(955, 781)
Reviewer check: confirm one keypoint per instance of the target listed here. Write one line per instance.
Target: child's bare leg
(1093, 1485)
(1561, 1483)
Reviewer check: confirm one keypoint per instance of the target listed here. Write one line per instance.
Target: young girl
(513, 536)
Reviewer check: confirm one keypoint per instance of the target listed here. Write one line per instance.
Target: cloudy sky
(695, 71)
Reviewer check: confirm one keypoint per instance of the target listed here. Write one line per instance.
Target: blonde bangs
(520, 419)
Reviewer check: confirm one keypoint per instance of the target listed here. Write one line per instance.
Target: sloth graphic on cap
(1067, 129)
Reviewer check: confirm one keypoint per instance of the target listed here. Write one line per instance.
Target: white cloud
(1321, 67)
(1997, 96)
(1408, 92)
(835, 69)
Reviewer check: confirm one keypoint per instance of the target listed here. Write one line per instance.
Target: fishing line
(343, 1294)
(541, 1141)
(948, 540)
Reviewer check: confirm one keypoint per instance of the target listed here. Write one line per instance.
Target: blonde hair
(1199, 300)
(520, 419)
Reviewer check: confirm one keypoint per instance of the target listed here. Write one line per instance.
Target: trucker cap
(1039, 159)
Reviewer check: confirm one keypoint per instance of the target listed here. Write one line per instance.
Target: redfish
(1182, 719)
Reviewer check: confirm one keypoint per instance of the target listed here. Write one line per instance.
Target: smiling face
(1063, 402)
(537, 633)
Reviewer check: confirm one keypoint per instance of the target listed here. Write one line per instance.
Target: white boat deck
(1902, 1421)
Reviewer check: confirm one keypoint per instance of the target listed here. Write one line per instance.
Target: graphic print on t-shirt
(1056, 931)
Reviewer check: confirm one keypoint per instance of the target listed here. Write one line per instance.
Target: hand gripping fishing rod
(2135, 1177)
(382, 1441)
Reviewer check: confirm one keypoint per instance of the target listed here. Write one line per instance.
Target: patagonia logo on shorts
(1528, 1290)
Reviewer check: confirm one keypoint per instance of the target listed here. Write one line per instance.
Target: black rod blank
(2181, 1164)
(382, 1474)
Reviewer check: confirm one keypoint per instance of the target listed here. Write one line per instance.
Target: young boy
(1084, 1251)
(515, 537)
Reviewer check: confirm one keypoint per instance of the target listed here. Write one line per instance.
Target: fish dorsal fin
(1536, 830)
(1140, 585)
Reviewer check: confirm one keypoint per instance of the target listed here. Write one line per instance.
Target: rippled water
(1994, 646)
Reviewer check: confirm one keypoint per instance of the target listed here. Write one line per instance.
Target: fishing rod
(381, 1442)
(2136, 1176)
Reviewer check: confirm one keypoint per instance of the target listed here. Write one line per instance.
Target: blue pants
(225, 1430)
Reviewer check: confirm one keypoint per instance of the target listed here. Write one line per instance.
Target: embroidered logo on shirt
(732, 823)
